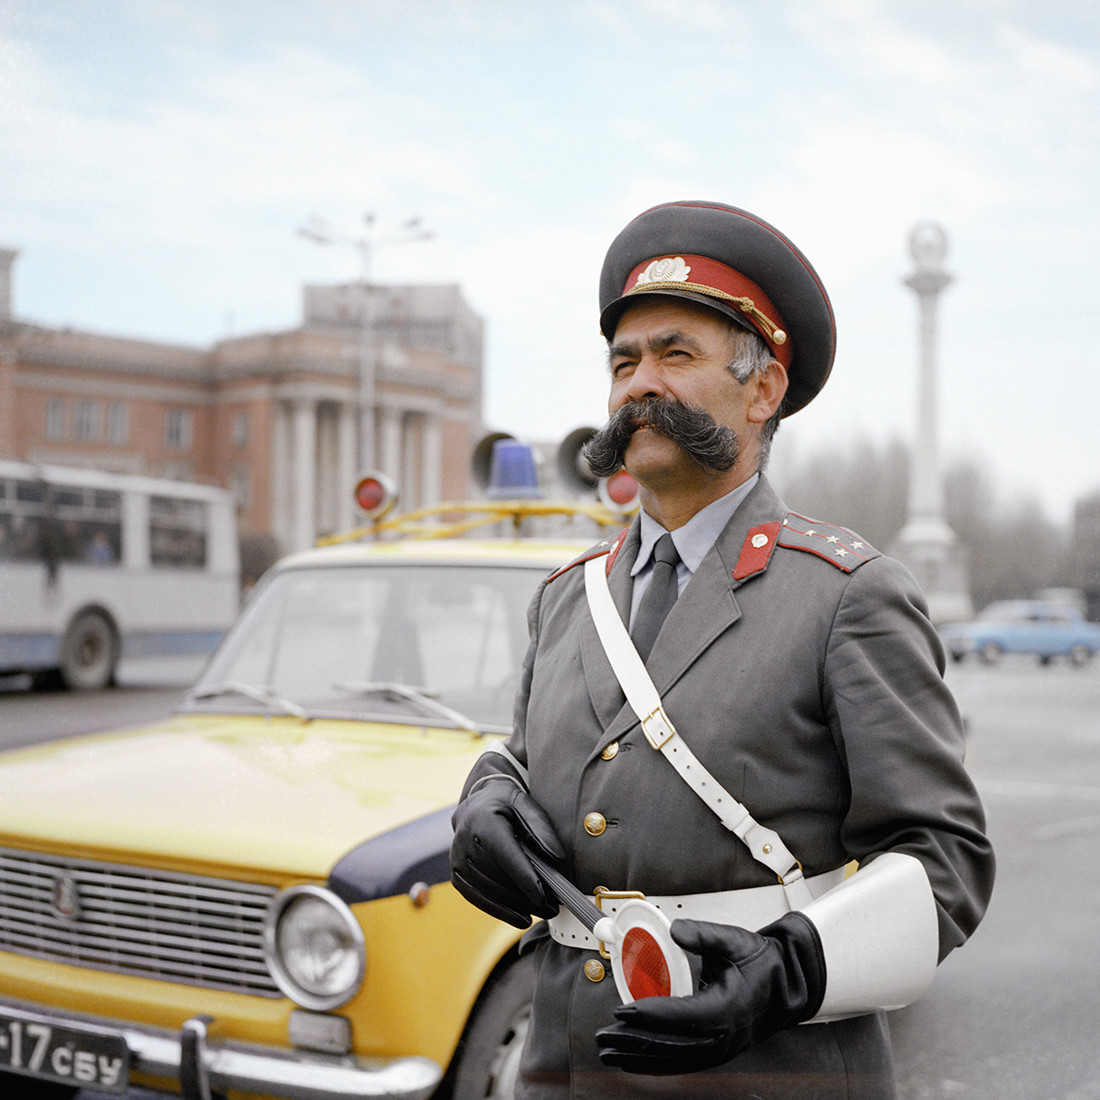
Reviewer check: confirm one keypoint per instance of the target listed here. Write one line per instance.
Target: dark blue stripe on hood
(394, 862)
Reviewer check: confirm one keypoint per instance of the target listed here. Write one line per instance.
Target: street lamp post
(366, 243)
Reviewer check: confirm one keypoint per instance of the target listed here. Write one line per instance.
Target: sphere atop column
(928, 246)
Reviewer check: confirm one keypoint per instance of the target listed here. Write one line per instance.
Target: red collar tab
(756, 550)
(618, 545)
(610, 547)
(702, 275)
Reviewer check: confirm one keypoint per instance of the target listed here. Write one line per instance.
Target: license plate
(72, 1055)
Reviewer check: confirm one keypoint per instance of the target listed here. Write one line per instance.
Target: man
(798, 668)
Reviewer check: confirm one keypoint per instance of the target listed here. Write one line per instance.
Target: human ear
(771, 387)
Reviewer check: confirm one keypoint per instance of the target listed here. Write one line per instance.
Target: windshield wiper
(257, 694)
(412, 694)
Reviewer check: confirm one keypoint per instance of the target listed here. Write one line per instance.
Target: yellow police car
(253, 896)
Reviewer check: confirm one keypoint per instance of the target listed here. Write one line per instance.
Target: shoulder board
(836, 545)
(610, 547)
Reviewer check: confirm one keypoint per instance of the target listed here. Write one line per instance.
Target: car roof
(534, 553)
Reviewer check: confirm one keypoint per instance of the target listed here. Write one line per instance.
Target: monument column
(927, 544)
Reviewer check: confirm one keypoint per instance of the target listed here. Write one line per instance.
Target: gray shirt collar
(698, 535)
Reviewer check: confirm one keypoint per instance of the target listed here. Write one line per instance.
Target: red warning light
(620, 490)
(369, 494)
(375, 494)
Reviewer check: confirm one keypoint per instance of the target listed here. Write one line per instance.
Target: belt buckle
(602, 892)
(664, 732)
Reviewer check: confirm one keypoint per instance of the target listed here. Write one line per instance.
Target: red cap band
(700, 275)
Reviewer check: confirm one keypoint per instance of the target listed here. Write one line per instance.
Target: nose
(646, 380)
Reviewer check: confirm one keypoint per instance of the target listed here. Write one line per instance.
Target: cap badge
(671, 269)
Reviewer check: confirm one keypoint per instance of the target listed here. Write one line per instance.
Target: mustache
(710, 444)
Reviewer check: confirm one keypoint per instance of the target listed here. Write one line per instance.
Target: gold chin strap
(747, 306)
(774, 333)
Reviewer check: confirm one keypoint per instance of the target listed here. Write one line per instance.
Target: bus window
(91, 523)
(100, 567)
(177, 532)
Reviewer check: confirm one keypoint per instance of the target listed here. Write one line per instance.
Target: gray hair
(752, 357)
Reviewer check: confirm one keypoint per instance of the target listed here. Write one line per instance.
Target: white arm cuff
(880, 934)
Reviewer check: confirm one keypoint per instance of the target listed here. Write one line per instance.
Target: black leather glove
(752, 984)
(488, 864)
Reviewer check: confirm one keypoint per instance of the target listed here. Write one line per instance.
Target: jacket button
(610, 752)
(594, 824)
(594, 971)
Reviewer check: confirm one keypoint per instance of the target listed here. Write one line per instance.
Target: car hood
(277, 795)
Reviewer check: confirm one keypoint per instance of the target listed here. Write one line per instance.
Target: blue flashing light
(512, 472)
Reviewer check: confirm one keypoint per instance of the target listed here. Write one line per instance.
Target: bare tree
(859, 484)
(1012, 547)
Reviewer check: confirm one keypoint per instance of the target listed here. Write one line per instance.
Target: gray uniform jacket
(804, 673)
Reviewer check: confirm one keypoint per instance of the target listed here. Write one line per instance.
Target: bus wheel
(88, 652)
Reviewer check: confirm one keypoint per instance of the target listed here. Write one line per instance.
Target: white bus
(98, 567)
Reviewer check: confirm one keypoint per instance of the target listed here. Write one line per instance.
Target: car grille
(132, 920)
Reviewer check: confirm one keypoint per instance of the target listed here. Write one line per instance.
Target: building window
(241, 487)
(240, 430)
(118, 423)
(178, 430)
(55, 418)
(86, 421)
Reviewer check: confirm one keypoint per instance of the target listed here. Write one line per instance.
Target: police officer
(801, 678)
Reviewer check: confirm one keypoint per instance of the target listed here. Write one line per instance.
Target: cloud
(1049, 62)
(167, 152)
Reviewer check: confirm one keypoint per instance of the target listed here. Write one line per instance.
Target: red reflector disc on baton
(645, 960)
(644, 966)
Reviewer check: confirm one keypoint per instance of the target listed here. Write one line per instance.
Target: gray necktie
(659, 596)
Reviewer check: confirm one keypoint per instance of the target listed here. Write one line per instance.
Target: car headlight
(315, 948)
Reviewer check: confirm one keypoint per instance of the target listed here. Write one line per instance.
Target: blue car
(1038, 627)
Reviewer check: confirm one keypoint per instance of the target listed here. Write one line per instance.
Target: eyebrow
(655, 344)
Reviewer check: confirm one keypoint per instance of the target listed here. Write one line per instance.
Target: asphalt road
(1013, 1014)
(147, 691)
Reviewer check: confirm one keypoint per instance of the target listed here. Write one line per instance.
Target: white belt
(751, 908)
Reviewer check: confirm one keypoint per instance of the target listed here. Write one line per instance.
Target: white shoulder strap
(764, 844)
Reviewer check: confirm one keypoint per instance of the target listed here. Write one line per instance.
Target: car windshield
(432, 644)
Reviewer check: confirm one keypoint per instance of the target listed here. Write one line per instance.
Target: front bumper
(204, 1067)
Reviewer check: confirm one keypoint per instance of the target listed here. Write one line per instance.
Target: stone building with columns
(276, 417)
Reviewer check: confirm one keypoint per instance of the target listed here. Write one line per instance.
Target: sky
(157, 158)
